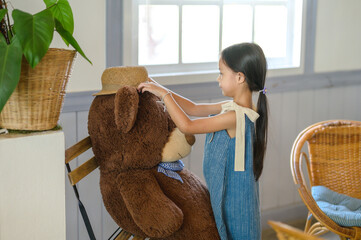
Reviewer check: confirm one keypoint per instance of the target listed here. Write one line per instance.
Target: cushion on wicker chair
(342, 209)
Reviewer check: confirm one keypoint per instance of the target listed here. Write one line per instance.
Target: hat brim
(102, 92)
(114, 78)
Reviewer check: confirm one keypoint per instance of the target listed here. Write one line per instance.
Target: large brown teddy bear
(132, 134)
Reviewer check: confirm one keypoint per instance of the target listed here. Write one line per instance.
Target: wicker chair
(78, 174)
(335, 162)
(286, 232)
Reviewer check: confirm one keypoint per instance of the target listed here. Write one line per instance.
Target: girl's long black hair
(249, 59)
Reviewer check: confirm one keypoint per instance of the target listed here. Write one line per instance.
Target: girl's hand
(152, 80)
(153, 87)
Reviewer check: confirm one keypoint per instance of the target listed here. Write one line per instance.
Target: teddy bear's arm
(150, 209)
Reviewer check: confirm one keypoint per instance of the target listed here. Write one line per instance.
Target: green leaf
(10, 67)
(2, 13)
(35, 33)
(49, 3)
(66, 35)
(63, 13)
(2, 38)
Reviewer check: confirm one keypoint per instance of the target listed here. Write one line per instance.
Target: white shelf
(32, 186)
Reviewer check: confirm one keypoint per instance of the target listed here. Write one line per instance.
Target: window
(186, 36)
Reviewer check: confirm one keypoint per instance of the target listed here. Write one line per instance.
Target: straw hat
(116, 77)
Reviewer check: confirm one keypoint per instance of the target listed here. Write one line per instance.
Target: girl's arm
(191, 108)
(183, 122)
(197, 109)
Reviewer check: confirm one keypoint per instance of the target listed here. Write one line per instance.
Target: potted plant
(23, 46)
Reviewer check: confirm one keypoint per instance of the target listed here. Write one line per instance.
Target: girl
(236, 138)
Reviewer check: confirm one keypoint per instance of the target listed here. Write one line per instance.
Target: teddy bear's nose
(190, 139)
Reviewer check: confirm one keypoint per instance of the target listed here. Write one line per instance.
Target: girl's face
(227, 79)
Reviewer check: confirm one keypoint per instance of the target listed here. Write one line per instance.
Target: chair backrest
(334, 156)
(81, 172)
(286, 232)
(87, 167)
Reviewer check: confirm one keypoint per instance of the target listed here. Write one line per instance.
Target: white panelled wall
(290, 113)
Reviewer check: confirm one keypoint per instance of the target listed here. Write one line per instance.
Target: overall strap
(241, 112)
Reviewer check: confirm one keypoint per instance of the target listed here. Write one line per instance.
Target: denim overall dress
(234, 194)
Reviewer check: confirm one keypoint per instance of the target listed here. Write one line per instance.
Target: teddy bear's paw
(163, 224)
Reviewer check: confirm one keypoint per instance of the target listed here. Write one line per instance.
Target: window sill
(185, 78)
(211, 76)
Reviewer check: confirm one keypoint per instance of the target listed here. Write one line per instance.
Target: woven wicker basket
(38, 98)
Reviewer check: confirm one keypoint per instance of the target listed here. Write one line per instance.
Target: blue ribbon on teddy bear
(169, 168)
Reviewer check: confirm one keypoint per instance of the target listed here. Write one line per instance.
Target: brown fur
(128, 132)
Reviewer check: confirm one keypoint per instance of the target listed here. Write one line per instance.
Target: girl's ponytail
(260, 143)
(249, 59)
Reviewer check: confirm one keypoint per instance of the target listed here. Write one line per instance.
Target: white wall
(338, 36)
(89, 31)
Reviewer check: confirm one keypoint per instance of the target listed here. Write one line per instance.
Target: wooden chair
(78, 174)
(286, 232)
(334, 161)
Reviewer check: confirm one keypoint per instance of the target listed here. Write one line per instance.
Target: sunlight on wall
(338, 36)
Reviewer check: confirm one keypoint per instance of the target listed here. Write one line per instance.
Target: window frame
(199, 72)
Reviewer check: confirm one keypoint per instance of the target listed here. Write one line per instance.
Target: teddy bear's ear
(126, 108)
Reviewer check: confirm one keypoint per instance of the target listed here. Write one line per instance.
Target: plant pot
(37, 100)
